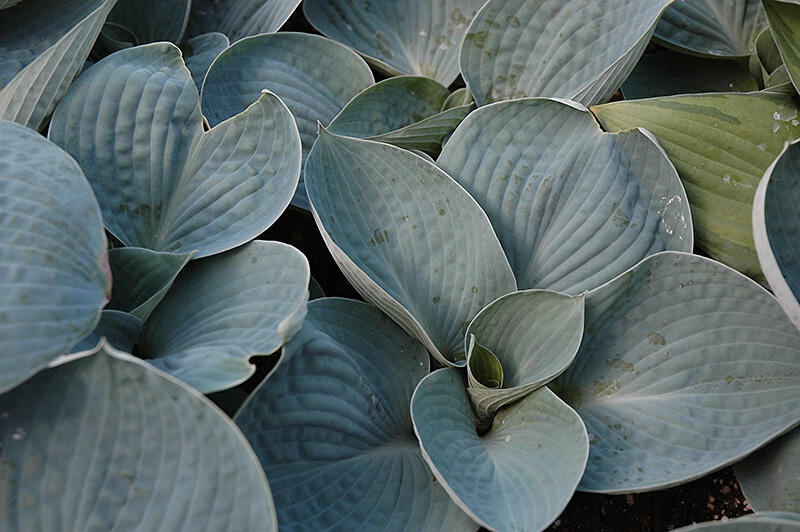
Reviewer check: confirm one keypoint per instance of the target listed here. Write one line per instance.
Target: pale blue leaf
(770, 477)
(120, 329)
(200, 51)
(239, 18)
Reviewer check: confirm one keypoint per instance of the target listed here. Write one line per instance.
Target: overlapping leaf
(573, 206)
(770, 477)
(408, 238)
(133, 122)
(768, 54)
(686, 366)
(53, 265)
(296, 67)
(43, 45)
(200, 51)
(152, 20)
(784, 22)
(401, 37)
(239, 18)
(332, 428)
(516, 48)
(721, 144)
(120, 329)
(106, 442)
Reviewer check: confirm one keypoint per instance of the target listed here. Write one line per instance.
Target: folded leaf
(120, 330)
(239, 18)
(784, 22)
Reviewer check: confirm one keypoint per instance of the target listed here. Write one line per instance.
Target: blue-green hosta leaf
(239, 18)
(768, 54)
(400, 37)
(686, 366)
(458, 98)
(133, 122)
(408, 238)
(43, 45)
(53, 265)
(120, 329)
(516, 477)
(517, 48)
(5, 4)
(404, 110)
(152, 20)
(770, 477)
(666, 73)
(721, 144)
(141, 278)
(776, 229)
(106, 442)
(784, 22)
(534, 334)
(295, 66)
(758, 522)
(224, 309)
(200, 51)
(332, 428)
(713, 28)
(573, 206)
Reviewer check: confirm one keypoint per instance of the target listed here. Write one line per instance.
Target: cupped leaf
(666, 73)
(224, 309)
(721, 144)
(770, 477)
(43, 45)
(296, 67)
(119, 446)
(141, 279)
(133, 122)
(686, 366)
(779, 81)
(400, 37)
(713, 28)
(152, 20)
(53, 264)
(200, 51)
(516, 48)
(759, 522)
(573, 206)
(776, 229)
(408, 238)
(519, 475)
(784, 22)
(239, 18)
(533, 334)
(458, 98)
(332, 428)
(120, 329)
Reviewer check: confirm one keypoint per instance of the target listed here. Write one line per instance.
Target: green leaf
(142, 278)
(120, 329)
(43, 45)
(401, 37)
(408, 238)
(152, 20)
(776, 229)
(332, 428)
(133, 122)
(784, 21)
(770, 477)
(200, 51)
(779, 81)
(296, 67)
(712, 28)
(53, 265)
(721, 144)
(768, 54)
(458, 98)
(224, 309)
(686, 366)
(239, 18)
(666, 73)
(118, 445)
(484, 370)
(516, 48)
(573, 206)
(518, 476)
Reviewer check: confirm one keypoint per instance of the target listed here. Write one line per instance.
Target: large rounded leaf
(770, 477)
(573, 206)
(686, 366)
(224, 309)
(420, 37)
(133, 122)
(152, 20)
(776, 229)
(518, 476)
(332, 428)
(43, 45)
(296, 67)
(517, 48)
(408, 237)
(240, 18)
(714, 28)
(106, 442)
(53, 269)
(721, 144)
